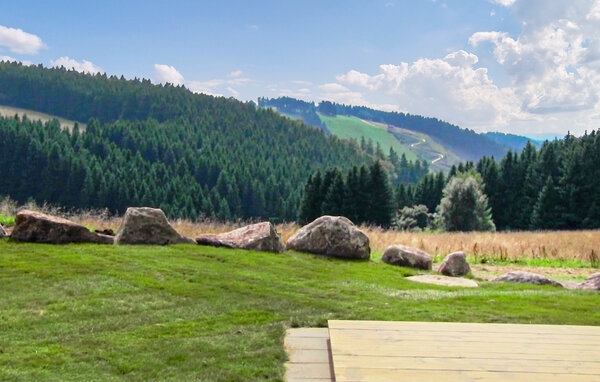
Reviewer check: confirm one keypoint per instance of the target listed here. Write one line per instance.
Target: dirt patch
(444, 281)
(489, 272)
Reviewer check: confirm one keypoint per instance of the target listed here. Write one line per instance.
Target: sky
(518, 66)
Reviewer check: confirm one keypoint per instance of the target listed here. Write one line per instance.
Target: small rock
(407, 257)
(455, 264)
(592, 282)
(334, 236)
(144, 225)
(258, 237)
(527, 278)
(37, 227)
(444, 280)
(3, 233)
(107, 232)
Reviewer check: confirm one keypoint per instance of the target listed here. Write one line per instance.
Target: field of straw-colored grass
(480, 246)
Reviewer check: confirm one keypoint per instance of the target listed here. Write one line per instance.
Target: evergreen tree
(381, 205)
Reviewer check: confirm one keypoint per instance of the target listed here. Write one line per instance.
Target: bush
(412, 218)
(464, 206)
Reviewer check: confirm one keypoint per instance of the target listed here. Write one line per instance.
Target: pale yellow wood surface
(420, 351)
(309, 359)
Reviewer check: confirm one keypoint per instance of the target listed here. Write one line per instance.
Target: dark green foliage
(363, 196)
(412, 218)
(464, 206)
(192, 155)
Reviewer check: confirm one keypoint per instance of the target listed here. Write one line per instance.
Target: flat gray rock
(527, 278)
(444, 281)
(334, 236)
(592, 282)
(405, 256)
(145, 225)
(258, 237)
(36, 227)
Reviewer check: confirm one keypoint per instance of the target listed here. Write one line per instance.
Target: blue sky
(516, 66)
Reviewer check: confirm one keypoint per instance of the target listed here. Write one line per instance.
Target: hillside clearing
(9, 111)
(185, 312)
(355, 128)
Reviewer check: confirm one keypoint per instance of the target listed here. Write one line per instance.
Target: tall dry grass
(481, 246)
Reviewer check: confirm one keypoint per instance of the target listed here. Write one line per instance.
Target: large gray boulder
(258, 237)
(144, 225)
(37, 227)
(3, 233)
(334, 236)
(592, 282)
(405, 256)
(455, 264)
(527, 278)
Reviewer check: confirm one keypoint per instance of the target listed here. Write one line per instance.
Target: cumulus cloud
(236, 73)
(84, 66)
(167, 74)
(506, 3)
(20, 42)
(552, 66)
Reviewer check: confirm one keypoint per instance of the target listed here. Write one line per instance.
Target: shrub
(412, 218)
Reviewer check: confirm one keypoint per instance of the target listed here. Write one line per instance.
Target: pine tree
(381, 203)
(333, 204)
(546, 214)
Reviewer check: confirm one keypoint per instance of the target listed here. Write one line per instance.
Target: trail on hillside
(418, 143)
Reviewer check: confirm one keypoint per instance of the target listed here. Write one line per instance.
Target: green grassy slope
(183, 313)
(352, 127)
(9, 111)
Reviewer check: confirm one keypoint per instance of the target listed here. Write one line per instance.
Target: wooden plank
(382, 375)
(306, 343)
(308, 371)
(309, 355)
(308, 332)
(460, 326)
(416, 351)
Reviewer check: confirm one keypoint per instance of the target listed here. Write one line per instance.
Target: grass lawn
(352, 127)
(183, 313)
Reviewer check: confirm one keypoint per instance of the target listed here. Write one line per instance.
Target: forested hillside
(465, 143)
(144, 144)
(555, 187)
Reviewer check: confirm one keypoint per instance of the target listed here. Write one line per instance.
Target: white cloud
(167, 74)
(333, 88)
(20, 42)
(236, 73)
(84, 67)
(233, 92)
(506, 3)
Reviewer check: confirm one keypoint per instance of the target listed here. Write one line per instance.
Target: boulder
(592, 282)
(3, 233)
(407, 257)
(258, 237)
(527, 278)
(37, 227)
(334, 236)
(444, 281)
(455, 264)
(144, 225)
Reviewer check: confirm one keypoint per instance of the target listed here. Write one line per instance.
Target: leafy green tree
(464, 206)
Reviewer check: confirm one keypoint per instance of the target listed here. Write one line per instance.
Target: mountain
(514, 142)
(440, 143)
(191, 154)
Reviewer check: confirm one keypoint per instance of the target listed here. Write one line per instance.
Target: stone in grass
(145, 225)
(3, 233)
(258, 237)
(592, 282)
(405, 256)
(527, 278)
(455, 264)
(444, 281)
(36, 227)
(334, 236)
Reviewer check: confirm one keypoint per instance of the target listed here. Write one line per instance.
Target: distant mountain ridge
(465, 143)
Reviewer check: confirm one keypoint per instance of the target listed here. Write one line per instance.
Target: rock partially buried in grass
(144, 225)
(527, 278)
(334, 236)
(444, 281)
(404, 256)
(36, 227)
(455, 264)
(592, 282)
(258, 237)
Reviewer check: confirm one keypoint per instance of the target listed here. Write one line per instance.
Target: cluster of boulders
(334, 236)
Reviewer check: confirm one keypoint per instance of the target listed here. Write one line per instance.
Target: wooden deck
(428, 351)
